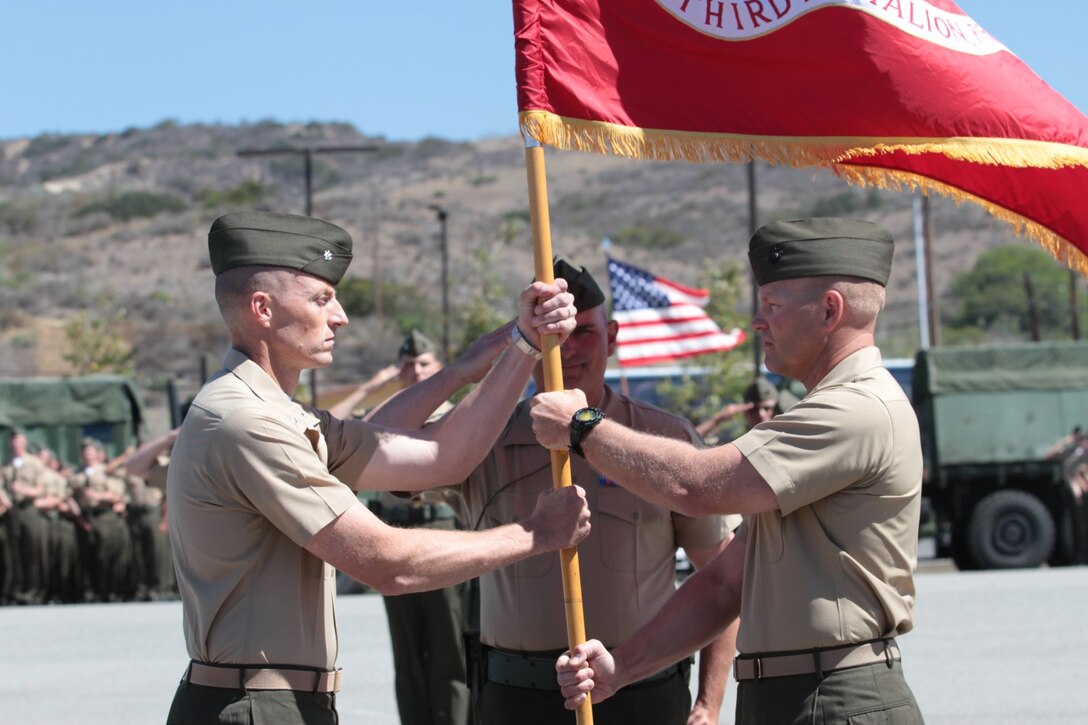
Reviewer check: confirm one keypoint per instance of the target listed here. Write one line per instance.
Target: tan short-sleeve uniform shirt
(627, 562)
(252, 477)
(96, 479)
(28, 470)
(835, 565)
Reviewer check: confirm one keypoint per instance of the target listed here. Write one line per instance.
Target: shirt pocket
(633, 535)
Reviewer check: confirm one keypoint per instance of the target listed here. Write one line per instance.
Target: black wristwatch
(582, 422)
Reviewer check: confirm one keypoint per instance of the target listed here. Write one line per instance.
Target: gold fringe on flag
(574, 134)
(1058, 246)
(800, 151)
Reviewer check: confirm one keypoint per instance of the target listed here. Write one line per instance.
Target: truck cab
(989, 417)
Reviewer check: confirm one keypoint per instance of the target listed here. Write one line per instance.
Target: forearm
(410, 407)
(140, 463)
(398, 561)
(676, 475)
(447, 451)
(700, 611)
(670, 473)
(715, 662)
(344, 408)
(431, 559)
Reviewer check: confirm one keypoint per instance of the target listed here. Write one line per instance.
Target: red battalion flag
(661, 320)
(884, 92)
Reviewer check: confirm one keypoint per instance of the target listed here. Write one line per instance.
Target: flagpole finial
(530, 142)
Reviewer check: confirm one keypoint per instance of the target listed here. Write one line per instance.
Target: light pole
(443, 241)
(753, 224)
(307, 153)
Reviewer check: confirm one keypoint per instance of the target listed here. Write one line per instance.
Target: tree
(490, 305)
(992, 297)
(727, 373)
(96, 344)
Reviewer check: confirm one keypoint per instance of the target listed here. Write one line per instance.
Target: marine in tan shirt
(627, 563)
(822, 570)
(260, 488)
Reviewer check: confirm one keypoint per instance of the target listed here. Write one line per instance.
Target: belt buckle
(757, 668)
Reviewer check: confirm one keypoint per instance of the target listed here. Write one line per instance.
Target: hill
(112, 227)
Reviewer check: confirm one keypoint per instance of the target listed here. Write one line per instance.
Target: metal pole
(753, 224)
(1033, 309)
(172, 403)
(920, 273)
(308, 156)
(443, 242)
(934, 313)
(1074, 313)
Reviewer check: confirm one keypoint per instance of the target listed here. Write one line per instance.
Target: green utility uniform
(65, 577)
(22, 479)
(166, 584)
(111, 547)
(143, 516)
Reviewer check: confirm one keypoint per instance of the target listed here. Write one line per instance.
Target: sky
(397, 69)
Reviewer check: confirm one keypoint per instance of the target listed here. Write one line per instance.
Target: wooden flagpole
(553, 380)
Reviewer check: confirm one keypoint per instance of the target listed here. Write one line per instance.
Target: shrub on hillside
(130, 205)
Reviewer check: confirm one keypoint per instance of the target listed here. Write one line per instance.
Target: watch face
(585, 415)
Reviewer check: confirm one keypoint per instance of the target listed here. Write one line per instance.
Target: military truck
(58, 412)
(988, 417)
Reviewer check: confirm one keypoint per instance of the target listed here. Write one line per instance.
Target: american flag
(661, 320)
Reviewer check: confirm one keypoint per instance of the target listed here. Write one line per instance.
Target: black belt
(537, 671)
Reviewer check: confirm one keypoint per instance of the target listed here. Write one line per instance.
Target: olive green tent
(59, 412)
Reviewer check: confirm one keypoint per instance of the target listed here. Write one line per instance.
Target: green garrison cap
(821, 247)
(416, 344)
(580, 283)
(247, 238)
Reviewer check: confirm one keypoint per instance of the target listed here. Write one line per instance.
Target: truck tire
(1065, 543)
(959, 551)
(1010, 529)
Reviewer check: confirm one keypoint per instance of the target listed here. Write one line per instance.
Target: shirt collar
(250, 373)
(851, 368)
